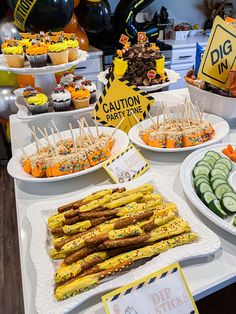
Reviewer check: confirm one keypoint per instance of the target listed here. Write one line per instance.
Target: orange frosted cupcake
(37, 55)
(80, 98)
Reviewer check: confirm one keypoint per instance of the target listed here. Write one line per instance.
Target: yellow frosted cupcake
(73, 46)
(37, 103)
(58, 51)
(80, 98)
(13, 53)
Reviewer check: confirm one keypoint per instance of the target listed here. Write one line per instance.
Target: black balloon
(93, 16)
(125, 21)
(48, 14)
(3, 8)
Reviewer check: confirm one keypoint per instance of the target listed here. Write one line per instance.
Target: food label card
(219, 57)
(163, 292)
(127, 165)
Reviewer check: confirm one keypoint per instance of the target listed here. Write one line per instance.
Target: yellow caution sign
(219, 57)
(121, 100)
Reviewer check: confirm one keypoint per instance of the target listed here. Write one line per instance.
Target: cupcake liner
(80, 103)
(93, 98)
(59, 57)
(15, 61)
(34, 109)
(61, 105)
(38, 61)
(73, 54)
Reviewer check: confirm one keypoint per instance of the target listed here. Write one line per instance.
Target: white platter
(16, 171)
(24, 113)
(187, 184)
(207, 244)
(82, 56)
(172, 75)
(220, 125)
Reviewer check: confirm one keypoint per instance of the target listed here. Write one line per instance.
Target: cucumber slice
(203, 187)
(199, 181)
(216, 183)
(229, 204)
(218, 176)
(217, 171)
(213, 154)
(201, 170)
(210, 160)
(226, 162)
(204, 163)
(222, 167)
(222, 189)
(201, 176)
(231, 194)
(217, 209)
(207, 197)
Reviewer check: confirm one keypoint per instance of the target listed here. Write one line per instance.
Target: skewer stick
(154, 123)
(44, 136)
(89, 130)
(54, 141)
(198, 110)
(46, 133)
(58, 132)
(138, 122)
(32, 131)
(158, 116)
(117, 127)
(73, 138)
(82, 131)
(96, 124)
(193, 111)
(21, 147)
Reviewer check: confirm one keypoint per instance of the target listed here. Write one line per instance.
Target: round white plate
(187, 184)
(220, 125)
(172, 75)
(82, 56)
(24, 113)
(16, 171)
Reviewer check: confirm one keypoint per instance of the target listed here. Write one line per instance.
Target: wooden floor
(11, 299)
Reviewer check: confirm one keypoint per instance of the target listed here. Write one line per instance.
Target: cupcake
(13, 53)
(93, 90)
(37, 103)
(67, 79)
(25, 43)
(78, 79)
(58, 51)
(73, 46)
(60, 99)
(30, 91)
(37, 54)
(80, 98)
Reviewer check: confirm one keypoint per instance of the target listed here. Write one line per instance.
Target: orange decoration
(233, 157)
(230, 148)
(72, 25)
(24, 79)
(82, 38)
(76, 3)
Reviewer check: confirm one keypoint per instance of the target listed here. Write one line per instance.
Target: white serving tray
(172, 75)
(16, 171)
(37, 215)
(220, 125)
(187, 184)
(82, 56)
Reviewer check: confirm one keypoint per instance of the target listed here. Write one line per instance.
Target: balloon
(24, 79)
(3, 8)
(8, 30)
(76, 3)
(82, 38)
(8, 79)
(125, 21)
(7, 102)
(47, 14)
(93, 15)
(72, 26)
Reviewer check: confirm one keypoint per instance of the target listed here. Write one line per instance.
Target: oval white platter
(172, 75)
(220, 125)
(16, 171)
(82, 56)
(187, 184)
(37, 215)
(24, 113)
